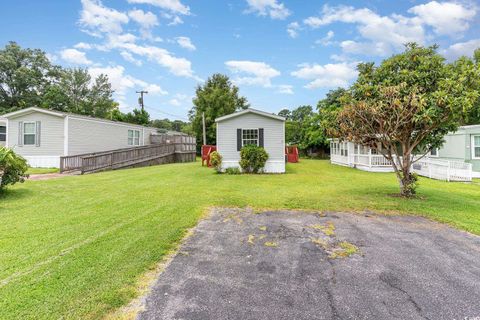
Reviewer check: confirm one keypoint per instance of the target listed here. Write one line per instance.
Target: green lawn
(75, 247)
(41, 170)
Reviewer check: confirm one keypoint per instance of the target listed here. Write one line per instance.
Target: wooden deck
(164, 149)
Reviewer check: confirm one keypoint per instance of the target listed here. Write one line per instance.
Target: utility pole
(204, 132)
(140, 99)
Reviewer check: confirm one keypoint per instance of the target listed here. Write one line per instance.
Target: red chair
(206, 151)
(292, 153)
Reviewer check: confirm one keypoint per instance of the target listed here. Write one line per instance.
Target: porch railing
(439, 169)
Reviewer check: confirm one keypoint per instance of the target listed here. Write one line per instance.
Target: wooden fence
(164, 149)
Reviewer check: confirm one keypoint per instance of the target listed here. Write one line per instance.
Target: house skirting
(272, 166)
(43, 161)
(375, 169)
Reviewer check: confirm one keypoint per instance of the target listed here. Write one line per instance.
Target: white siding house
(252, 126)
(42, 136)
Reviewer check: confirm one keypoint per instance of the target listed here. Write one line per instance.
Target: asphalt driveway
(297, 265)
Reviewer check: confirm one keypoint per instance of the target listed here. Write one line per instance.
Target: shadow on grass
(15, 194)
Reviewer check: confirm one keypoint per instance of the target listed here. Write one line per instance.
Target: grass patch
(343, 250)
(76, 247)
(327, 229)
(42, 170)
(270, 244)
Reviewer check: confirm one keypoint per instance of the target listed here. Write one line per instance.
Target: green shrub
(233, 170)
(253, 158)
(216, 161)
(13, 168)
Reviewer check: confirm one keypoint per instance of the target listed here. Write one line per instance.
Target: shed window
(29, 133)
(249, 136)
(3, 133)
(133, 137)
(434, 152)
(476, 147)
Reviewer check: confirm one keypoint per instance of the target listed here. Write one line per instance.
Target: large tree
(407, 104)
(25, 74)
(473, 116)
(76, 92)
(215, 98)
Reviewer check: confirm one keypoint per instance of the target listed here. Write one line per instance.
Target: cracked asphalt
(295, 265)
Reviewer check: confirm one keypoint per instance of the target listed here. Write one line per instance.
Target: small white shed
(252, 126)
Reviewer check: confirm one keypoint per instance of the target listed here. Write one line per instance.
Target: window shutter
(38, 133)
(20, 133)
(260, 137)
(239, 139)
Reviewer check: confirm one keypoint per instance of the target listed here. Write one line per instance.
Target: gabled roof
(250, 110)
(31, 110)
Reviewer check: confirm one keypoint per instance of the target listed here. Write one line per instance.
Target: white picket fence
(443, 169)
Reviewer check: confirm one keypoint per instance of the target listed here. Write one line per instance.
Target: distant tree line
(28, 78)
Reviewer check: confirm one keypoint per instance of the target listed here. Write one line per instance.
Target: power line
(168, 114)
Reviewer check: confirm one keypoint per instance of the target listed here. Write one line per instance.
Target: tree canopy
(25, 75)
(407, 104)
(215, 98)
(28, 78)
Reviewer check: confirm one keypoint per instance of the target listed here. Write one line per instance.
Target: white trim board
(250, 110)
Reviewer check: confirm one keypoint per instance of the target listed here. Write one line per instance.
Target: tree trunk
(406, 179)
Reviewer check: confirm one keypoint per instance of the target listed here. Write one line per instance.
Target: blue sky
(281, 53)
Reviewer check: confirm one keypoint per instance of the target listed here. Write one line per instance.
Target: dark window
(3, 133)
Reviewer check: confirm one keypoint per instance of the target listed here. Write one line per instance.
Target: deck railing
(439, 169)
(173, 148)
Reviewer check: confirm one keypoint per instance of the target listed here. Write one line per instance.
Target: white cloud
(74, 56)
(461, 49)
(446, 18)
(104, 22)
(285, 89)
(83, 45)
(146, 20)
(178, 100)
(258, 73)
(129, 57)
(177, 66)
(174, 6)
(185, 43)
(96, 19)
(327, 40)
(174, 102)
(375, 49)
(271, 8)
(122, 82)
(53, 58)
(153, 88)
(383, 35)
(391, 31)
(326, 76)
(292, 29)
(176, 20)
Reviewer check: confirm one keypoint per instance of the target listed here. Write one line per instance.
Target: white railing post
(448, 171)
(369, 157)
(429, 163)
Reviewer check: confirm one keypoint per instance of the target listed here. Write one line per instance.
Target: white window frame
(135, 139)
(258, 136)
(4, 134)
(473, 146)
(434, 155)
(34, 133)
